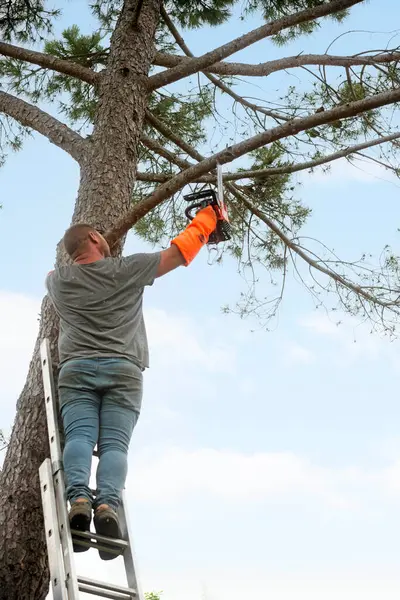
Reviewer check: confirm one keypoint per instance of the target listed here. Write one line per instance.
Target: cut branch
(194, 65)
(33, 117)
(231, 153)
(47, 61)
(284, 169)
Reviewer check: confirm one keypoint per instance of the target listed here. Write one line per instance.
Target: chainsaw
(204, 198)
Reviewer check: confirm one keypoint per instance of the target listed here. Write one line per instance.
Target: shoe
(106, 523)
(80, 516)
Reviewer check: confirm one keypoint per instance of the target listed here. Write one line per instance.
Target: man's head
(83, 240)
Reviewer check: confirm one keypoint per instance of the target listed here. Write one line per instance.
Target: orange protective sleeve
(196, 234)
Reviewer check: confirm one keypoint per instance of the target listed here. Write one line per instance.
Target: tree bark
(107, 176)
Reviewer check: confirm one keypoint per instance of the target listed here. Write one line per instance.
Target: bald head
(85, 239)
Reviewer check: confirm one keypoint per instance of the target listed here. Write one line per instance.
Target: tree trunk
(105, 191)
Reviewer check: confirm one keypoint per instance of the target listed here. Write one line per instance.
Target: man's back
(100, 307)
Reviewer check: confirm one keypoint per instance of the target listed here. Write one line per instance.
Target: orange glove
(196, 234)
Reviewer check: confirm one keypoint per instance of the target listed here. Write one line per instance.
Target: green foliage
(24, 20)
(193, 14)
(77, 99)
(87, 51)
(188, 13)
(273, 194)
(106, 11)
(183, 113)
(152, 596)
(350, 92)
(82, 49)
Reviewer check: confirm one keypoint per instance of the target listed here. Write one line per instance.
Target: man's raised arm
(188, 244)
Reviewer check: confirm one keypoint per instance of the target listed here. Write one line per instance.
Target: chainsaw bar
(204, 198)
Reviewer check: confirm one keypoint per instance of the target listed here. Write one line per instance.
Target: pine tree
(139, 140)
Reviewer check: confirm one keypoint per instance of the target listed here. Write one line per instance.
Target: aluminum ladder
(66, 585)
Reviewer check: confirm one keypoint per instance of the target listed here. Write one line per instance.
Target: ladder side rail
(51, 406)
(130, 559)
(53, 543)
(57, 471)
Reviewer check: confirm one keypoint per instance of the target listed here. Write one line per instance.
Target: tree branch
(290, 62)
(33, 117)
(310, 164)
(162, 128)
(219, 84)
(48, 61)
(231, 153)
(284, 169)
(154, 146)
(202, 62)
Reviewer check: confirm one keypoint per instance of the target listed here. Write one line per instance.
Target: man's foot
(106, 523)
(80, 517)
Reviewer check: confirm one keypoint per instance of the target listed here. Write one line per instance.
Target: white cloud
(179, 339)
(19, 326)
(237, 477)
(297, 353)
(369, 584)
(234, 478)
(320, 323)
(350, 340)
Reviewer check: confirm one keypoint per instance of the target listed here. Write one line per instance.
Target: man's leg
(80, 405)
(121, 383)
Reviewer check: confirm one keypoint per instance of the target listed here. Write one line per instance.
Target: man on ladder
(103, 352)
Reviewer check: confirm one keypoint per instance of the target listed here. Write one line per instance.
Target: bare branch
(48, 61)
(310, 164)
(290, 62)
(229, 154)
(153, 177)
(202, 62)
(162, 59)
(358, 290)
(33, 117)
(175, 33)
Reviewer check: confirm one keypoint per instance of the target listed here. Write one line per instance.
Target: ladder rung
(107, 586)
(97, 546)
(103, 593)
(100, 542)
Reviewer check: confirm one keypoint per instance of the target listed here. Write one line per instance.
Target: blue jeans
(100, 401)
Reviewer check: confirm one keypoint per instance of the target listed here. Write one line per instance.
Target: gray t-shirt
(100, 307)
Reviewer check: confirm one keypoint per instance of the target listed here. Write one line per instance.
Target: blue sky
(263, 464)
